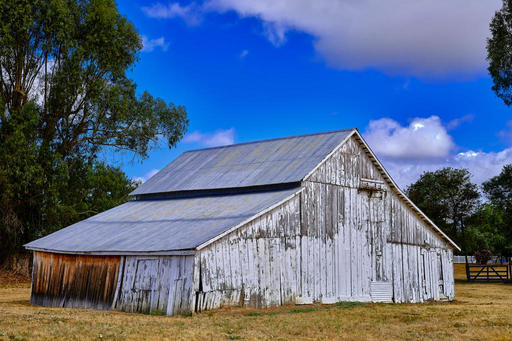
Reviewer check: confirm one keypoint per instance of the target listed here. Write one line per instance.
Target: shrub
(483, 256)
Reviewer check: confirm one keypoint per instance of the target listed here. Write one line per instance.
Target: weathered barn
(313, 218)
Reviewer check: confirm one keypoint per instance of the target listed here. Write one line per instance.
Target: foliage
(499, 52)
(498, 191)
(448, 197)
(487, 229)
(482, 256)
(64, 98)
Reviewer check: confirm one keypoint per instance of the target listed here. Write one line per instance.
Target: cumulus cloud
(146, 176)
(150, 44)
(191, 14)
(423, 138)
(426, 38)
(482, 166)
(218, 138)
(425, 145)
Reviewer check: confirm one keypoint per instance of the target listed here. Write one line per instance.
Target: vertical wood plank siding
(127, 283)
(160, 283)
(74, 281)
(333, 242)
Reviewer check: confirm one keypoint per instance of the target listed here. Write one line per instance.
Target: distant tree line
(474, 217)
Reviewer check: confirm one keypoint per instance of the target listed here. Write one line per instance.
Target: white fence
(471, 259)
(462, 259)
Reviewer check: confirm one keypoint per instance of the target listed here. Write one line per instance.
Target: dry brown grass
(481, 311)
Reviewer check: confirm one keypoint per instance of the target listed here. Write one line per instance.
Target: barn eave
(188, 252)
(263, 212)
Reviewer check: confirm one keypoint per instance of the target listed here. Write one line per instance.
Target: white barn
(302, 219)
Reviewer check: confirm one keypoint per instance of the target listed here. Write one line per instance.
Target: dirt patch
(10, 278)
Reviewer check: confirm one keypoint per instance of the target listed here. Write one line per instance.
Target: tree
(498, 191)
(486, 231)
(448, 197)
(499, 52)
(65, 97)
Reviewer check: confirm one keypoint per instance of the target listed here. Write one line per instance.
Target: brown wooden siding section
(74, 281)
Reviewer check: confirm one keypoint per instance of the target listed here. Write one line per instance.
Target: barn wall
(127, 283)
(386, 242)
(74, 281)
(333, 242)
(160, 283)
(257, 265)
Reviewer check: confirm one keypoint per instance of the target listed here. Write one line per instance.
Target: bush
(483, 256)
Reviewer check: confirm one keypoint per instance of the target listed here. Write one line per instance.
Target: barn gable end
(390, 240)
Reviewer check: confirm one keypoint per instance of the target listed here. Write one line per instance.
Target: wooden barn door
(160, 283)
(376, 235)
(180, 285)
(381, 290)
(440, 276)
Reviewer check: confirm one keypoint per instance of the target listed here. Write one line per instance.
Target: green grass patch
(348, 304)
(302, 310)
(292, 311)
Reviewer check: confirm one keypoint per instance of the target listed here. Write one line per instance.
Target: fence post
(467, 268)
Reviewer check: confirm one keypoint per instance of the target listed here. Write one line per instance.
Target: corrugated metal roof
(276, 161)
(160, 225)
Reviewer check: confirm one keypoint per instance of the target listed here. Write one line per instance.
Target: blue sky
(410, 75)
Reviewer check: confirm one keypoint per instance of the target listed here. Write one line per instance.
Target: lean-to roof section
(165, 226)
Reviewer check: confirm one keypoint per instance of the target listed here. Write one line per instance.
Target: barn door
(377, 234)
(175, 296)
(424, 274)
(440, 275)
(145, 287)
(381, 290)
(180, 280)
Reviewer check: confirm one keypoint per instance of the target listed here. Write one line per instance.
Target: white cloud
(146, 176)
(422, 138)
(218, 138)
(506, 134)
(244, 54)
(455, 123)
(191, 14)
(426, 38)
(150, 44)
(482, 165)
(408, 151)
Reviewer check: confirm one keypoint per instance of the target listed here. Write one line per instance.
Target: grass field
(480, 311)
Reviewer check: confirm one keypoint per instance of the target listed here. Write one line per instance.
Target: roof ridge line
(268, 140)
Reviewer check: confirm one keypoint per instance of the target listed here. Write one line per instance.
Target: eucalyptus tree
(65, 97)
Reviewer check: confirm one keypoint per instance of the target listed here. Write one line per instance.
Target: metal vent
(381, 291)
